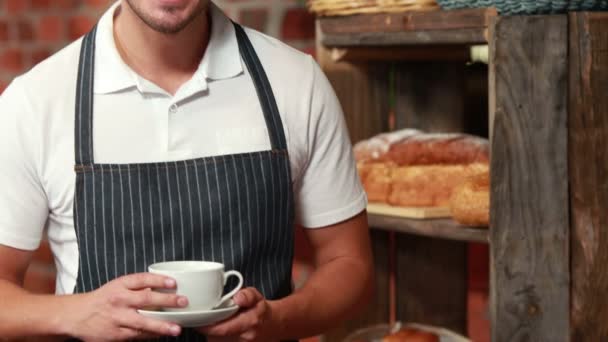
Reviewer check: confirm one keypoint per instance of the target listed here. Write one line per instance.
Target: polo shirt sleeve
(330, 190)
(23, 204)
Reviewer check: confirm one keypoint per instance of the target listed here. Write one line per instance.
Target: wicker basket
(349, 7)
(509, 7)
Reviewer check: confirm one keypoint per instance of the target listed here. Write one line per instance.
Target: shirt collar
(221, 60)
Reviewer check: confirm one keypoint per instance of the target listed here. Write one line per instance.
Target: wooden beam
(408, 21)
(529, 230)
(424, 37)
(453, 53)
(442, 229)
(408, 28)
(588, 154)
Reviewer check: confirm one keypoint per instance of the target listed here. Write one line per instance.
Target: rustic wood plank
(408, 21)
(588, 161)
(422, 37)
(377, 311)
(432, 282)
(441, 228)
(529, 229)
(453, 53)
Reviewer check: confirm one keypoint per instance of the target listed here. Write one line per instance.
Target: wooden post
(529, 197)
(588, 153)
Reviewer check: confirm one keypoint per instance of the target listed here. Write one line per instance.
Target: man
(168, 133)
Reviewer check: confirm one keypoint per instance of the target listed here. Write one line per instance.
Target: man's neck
(168, 60)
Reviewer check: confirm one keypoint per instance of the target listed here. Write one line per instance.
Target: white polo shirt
(217, 112)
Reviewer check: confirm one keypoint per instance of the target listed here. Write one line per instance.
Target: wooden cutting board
(408, 212)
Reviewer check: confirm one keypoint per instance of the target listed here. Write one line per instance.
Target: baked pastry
(378, 181)
(430, 185)
(413, 147)
(470, 202)
(375, 148)
(411, 335)
(432, 149)
(409, 168)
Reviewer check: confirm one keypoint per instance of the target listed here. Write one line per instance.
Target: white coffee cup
(202, 282)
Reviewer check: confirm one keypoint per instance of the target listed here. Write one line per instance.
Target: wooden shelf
(466, 27)
(438, 228)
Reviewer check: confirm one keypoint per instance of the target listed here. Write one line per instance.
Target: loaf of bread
(411, 335)
(375, 148)
(470, 201)
(429, 185)
(413, 147)
(377, 179)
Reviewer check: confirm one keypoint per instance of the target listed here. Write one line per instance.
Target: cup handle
(230, 294)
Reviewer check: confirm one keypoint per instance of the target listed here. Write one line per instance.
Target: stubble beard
(166, 28)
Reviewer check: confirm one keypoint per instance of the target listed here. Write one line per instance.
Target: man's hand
(110, 312)
(252, 323)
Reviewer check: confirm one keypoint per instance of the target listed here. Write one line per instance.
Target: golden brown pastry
(413, 147)
(444, 148)
(378, 181)
(470, 202)
(429, 186)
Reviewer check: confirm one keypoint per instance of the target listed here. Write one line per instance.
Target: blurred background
(31, 30)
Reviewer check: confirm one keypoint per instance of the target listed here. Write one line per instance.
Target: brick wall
(31, 30)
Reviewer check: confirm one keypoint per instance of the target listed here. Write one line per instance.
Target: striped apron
(234, 209)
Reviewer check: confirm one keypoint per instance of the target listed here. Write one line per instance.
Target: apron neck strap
(84, 100)
(263, 89)
(85, 83)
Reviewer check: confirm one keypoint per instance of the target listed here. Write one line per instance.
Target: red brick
(3, 31)
(97, 3)
(256, 18)
(79, 26)
(41, 4)
(16, 6)
(298, 24)
(51, 28)
(12, 60)
(311, 50)
(40, 54)
(25, 32)
(67, 4)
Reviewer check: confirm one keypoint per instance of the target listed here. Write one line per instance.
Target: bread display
(470, 201)
(429, 185)
(410, 168)
(411, 335)
(413, 147)
(377, 180)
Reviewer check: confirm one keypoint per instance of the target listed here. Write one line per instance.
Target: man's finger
(236, 325)
(248, 297)
(139, 281)
(130, 319)
(152, 299)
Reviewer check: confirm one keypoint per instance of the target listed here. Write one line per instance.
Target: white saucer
(193, 319)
